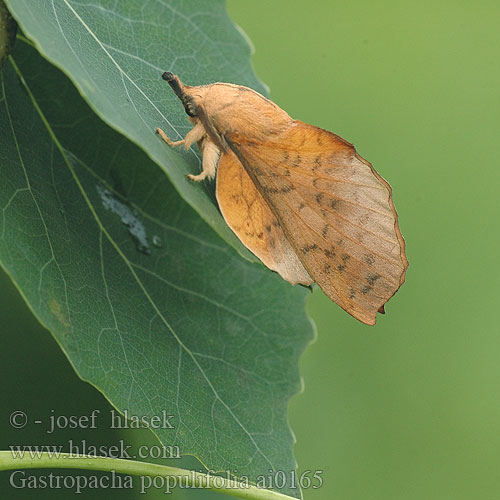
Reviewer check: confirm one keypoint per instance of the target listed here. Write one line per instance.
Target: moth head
(183, 92)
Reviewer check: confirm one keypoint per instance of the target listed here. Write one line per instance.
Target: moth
(299, 197)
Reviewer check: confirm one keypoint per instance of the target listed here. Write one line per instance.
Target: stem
(186, 478)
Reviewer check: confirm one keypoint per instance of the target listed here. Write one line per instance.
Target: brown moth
(299, 197)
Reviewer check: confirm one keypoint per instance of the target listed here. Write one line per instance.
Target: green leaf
(149, 304)
(115, 53)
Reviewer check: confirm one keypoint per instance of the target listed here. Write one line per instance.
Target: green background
(408, 409)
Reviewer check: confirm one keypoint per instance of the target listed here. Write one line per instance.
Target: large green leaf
(115, 53)
(149, 304)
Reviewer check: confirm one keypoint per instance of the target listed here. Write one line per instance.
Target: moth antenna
(175, 82)
(167, 76)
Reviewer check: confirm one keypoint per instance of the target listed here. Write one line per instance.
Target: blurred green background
(408, 409)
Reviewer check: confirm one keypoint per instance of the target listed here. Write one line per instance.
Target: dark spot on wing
(276, 223)
(325, 229)
(308, 248)
(352, 293)
(341, 267)
(319, 197)
(340, 242)
(327, 268)
(369, 259)
(260, 235)
(372, 278)
(334, 203)
(317, 163)
(287, 172)
(301, 206)
(329, 252)
(345, 257)
(287, 189)
(297, 160)
(286, 156)
(268, 228)
(364, 219)
(315, 183)
(366, 289)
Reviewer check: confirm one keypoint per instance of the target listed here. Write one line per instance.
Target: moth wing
(249, 216)
(336, 212)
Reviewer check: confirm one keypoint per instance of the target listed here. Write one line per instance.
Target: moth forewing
(298, 196)
(248, 214)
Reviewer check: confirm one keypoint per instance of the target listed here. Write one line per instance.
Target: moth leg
(194, 135)
(211, 155)
(167, 139)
